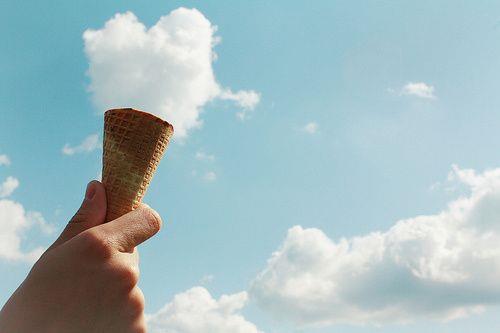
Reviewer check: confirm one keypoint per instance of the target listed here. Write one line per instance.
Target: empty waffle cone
(134, 143)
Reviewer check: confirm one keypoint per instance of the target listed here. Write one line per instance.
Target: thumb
(91, 213)
(131, 229)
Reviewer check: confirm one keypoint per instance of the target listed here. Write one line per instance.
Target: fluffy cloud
(247, 100)
(166, 69)
(196, 311)
(419, 89)
(4, 160)
(311, 127)
(14, 222)
(8, 186)
(89, 144)
(440, 266)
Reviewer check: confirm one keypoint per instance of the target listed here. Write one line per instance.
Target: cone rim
(143, 114)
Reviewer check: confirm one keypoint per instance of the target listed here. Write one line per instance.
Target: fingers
(131, 229)
(91, 213)
(133, 319)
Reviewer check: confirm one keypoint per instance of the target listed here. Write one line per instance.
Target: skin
(87, 280)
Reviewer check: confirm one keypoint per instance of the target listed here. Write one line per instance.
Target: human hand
(87, 280)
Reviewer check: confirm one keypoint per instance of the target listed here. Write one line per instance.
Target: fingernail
(90, 192)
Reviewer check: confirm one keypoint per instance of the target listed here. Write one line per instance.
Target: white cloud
(8, 186)
(440, 266)
(195, 311)
(202, 156)
(90, 143)
(419, 89)
(245, 99)
(4, 160)
(210, 176)
(311, 127)
(14, 222)
(166, 69)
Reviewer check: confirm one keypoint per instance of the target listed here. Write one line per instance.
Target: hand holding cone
(134, 143)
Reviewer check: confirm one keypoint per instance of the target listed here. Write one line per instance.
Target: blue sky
(364, 108)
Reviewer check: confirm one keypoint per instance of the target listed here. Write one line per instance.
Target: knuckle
(140, 329)
(95, 243)
(137, 302)
(139, 326)
(128, 275)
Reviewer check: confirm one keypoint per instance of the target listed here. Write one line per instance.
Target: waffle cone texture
(134, 143)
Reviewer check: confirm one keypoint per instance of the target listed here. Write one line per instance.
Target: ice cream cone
(134, 143)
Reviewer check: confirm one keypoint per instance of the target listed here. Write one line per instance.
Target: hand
(86, 281)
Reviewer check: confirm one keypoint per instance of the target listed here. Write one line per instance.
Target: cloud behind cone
(89, 144)
(166, 69)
